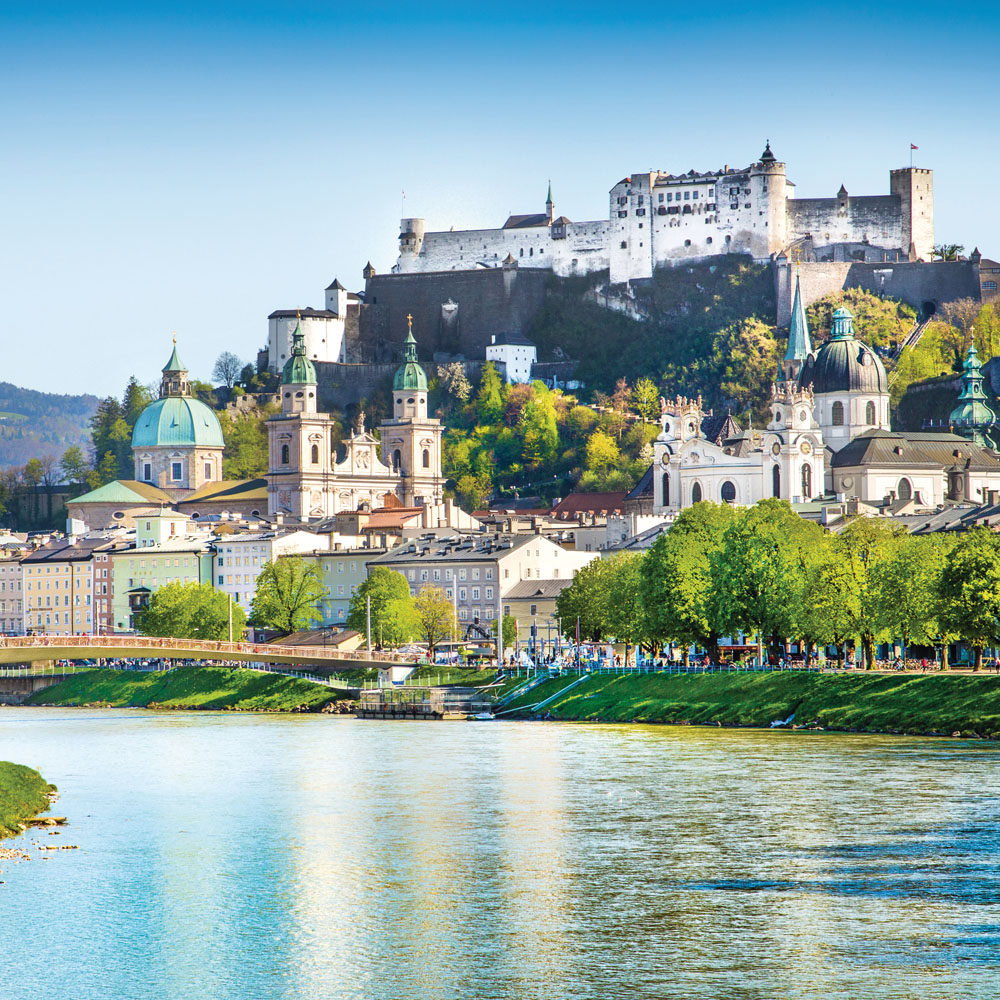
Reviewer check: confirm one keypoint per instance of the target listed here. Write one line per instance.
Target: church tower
(799, 347)
(411, 441)
(550, 207)
(298, 442)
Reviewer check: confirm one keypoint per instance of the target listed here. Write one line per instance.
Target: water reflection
(306, 857)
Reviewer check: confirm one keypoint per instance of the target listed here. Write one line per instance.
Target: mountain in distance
(38, 424)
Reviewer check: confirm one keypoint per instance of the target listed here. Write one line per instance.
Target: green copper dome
(844, 363)
(410, 376)
(177, 421)
(973, 417)
(298, 370)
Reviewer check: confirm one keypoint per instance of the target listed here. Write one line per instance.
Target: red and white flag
(913, 147)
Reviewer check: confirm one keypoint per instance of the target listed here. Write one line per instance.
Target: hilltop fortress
(658, 219)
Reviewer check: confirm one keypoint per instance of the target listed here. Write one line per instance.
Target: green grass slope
(874, 703)
(23, 794)
(189, 687)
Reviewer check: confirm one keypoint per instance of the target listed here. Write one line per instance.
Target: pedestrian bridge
(28, 649)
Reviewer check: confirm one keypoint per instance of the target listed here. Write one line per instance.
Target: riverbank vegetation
(934, 704)
(764, 571)
(211, 688)
(24, 793)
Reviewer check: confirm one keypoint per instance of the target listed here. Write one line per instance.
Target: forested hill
(38, 424)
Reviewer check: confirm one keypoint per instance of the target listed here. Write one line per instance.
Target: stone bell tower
(411, 441)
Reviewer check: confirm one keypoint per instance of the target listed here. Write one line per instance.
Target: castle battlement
(658, 219)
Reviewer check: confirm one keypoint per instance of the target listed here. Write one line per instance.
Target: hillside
(39, 424)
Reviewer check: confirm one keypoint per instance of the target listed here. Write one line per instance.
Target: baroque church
(177, 446)
(828, 435)
(304, 478)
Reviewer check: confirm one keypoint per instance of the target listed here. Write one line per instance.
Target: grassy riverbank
(24, 793)
(190, 688)
(935, 703)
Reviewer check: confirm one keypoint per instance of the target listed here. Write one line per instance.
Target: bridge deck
(86, 647)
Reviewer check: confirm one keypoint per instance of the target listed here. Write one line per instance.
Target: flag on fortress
(913, 147)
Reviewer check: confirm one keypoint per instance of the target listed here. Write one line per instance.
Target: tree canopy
(192, 611)
(393, 617)
(288, 595)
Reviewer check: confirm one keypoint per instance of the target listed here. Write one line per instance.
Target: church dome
(844, 363)
(410, 376)
(298, 370)
(177, 421)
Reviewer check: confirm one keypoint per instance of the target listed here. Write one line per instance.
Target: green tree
(676, 577)
(745, 355)
(588, 598)
(490, 398)
(759, 573)
(969, 591)
(509, 629)
(877, 321)
(245, 437)
(392, 615)
(602, 453)
(860, 548)
(435, 616)
(626, 614)
(289, 591)
(538, 428)
(74, 465)
(822, 617)
(646, 399)
(134, 400)
(192, 611)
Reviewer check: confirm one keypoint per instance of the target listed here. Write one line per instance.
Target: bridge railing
(153, 645)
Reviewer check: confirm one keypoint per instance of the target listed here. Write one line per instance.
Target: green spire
(843, 324)
(298, 370)
(548, 199)
(973, 418)
(410, 376)
(174, 364)
(799, 347)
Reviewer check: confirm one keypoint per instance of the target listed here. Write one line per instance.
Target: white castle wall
(324, 338)
(657, 219)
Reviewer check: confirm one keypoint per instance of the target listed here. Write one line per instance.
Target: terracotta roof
(589, 503)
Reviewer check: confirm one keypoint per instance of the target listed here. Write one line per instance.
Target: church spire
(973, 418)
(799, 347)
(175, 376)
(550, 206)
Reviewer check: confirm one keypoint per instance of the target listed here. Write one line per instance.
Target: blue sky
(192, 167)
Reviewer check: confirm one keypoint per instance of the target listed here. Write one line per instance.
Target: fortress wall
(914, 282)
(469, 248)
(489, 300)
(876, 219)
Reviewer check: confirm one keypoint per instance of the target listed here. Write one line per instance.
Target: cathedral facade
(828, 434)
(306, 481)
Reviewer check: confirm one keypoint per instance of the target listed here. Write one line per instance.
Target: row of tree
(764, 571)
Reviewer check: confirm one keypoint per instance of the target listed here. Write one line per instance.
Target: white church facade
(828, 434)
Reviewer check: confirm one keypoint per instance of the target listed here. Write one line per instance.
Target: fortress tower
(915, 188)
(768, 192)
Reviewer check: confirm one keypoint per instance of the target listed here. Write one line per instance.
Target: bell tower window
(870, 412)
(666, 489)
(775, 481)
(284, 454)
(208, 470)
(397, 460)
(147, 472)
(837, 414)
(176, 472)
(807, 476)
(427, 459)
(315, 454)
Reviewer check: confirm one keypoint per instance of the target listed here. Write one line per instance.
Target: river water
(250, 856)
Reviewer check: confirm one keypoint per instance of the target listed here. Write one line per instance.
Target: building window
(666, 489)
(837, 414)
(208, 470)
(807, 475)
(284, 454)
(427, 458)
(176, 473)
(728, 492)
(989, 286)
(315, 454)
(775, 481)
(147, 472)
(696, 493)
(687, 243)
(869, 412)
(397, 460)
(904, 490)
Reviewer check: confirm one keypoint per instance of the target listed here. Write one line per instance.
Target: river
(250, 856)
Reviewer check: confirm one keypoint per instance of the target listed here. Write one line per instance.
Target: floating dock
(432, 703)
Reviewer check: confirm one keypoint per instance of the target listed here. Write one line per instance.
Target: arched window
(837, 414)
(427, 459)
(696, 493)
(870, 413)
(397, 460)
(728, 492)
(284, 454)
(807, 481)
(666, 489)
(775, 481)
(315, 454)
(904, 491)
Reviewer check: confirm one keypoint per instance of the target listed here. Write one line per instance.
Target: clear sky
(193, 166)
